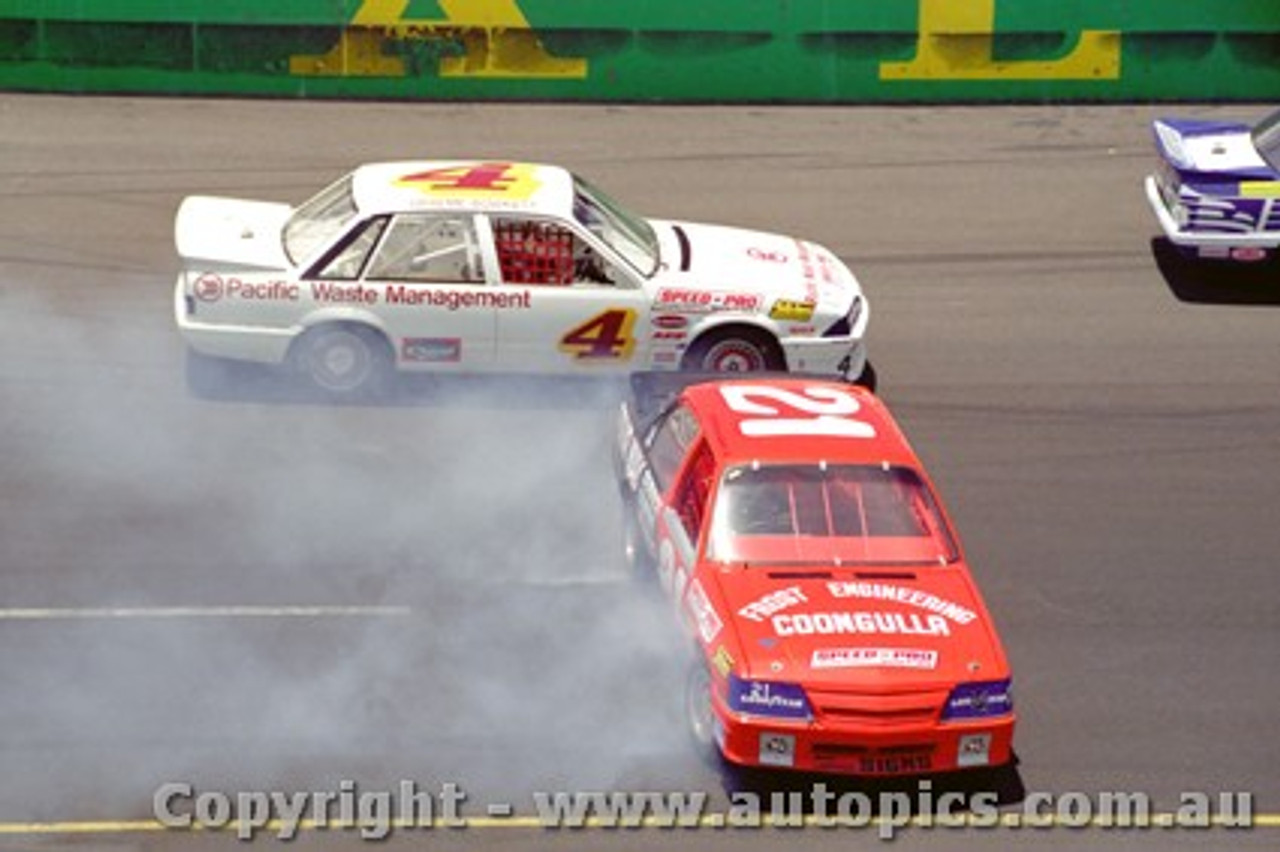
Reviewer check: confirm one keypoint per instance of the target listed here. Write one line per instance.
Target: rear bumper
(813, 747)
(237, 342)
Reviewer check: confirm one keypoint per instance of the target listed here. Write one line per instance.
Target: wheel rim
(734, 355)
(698, 708)
(340, 360)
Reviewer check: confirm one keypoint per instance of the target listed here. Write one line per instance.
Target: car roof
(474, 185)
(723, 426)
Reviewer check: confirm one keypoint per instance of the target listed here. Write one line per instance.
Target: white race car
(475, 267)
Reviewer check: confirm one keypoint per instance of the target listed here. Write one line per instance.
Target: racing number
(830, 409)
(484, 177)
(606, 336)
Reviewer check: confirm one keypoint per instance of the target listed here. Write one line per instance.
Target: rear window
(830, 514)
(319, 220)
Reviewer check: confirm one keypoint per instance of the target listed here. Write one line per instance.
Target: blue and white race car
(1216, 192)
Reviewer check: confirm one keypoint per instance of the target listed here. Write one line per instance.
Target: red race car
(835, 623)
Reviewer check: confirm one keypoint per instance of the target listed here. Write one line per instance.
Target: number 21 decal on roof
(817, 411)
(479, 180)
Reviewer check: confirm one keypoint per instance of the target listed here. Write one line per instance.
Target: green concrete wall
(868, 51)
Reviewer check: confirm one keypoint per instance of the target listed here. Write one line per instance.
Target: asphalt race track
(259, 594)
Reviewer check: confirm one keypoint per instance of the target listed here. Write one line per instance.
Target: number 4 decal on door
(604, 337)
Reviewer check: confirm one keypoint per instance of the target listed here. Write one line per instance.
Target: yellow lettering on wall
(496, 40)
(956, 41)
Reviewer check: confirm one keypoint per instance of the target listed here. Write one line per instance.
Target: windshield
(629, 235)
(1266, 138)
(827, 514)
(319, 220)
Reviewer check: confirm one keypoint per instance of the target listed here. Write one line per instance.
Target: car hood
(231, 233)
(866, 630)
(1211, 148)
(757, 266)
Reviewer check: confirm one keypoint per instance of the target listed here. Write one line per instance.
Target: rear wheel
(345, 361)
(736, 350)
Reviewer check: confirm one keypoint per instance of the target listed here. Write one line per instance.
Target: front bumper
(844, 356)
(814, 747)
(1208, 244)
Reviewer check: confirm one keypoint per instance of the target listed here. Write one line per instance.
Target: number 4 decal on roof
(511, 180)
(604, 337)
(828, 410)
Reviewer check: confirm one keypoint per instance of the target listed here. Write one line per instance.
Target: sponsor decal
(973, 750)
(760, 609)
(762, 695)
(896, 763)
(723, 661)
(431, 349)
(893, 658)
(766, 255)
(344, 294)
(670, 322)
(902, 595)
(704, 614)
(700, 301)
(211, 288)
(808, 260)
(669, 335)
(789, 310)
(836, 623)
(453, 300)
(664, 358)
(208, 288)
(777, 749)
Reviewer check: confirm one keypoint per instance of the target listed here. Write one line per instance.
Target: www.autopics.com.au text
(374, 814)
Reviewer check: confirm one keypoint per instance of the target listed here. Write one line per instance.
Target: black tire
(699, 714)
(734, 350)
(868, 379)
(345, 362)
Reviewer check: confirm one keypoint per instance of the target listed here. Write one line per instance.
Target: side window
(350, 259)
(669, 443)
(691, 496)
(540, 251)
(429, 247)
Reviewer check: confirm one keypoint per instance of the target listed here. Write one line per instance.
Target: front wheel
(745, 350)
(700, 716)
(345, 361)
(868, 379)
